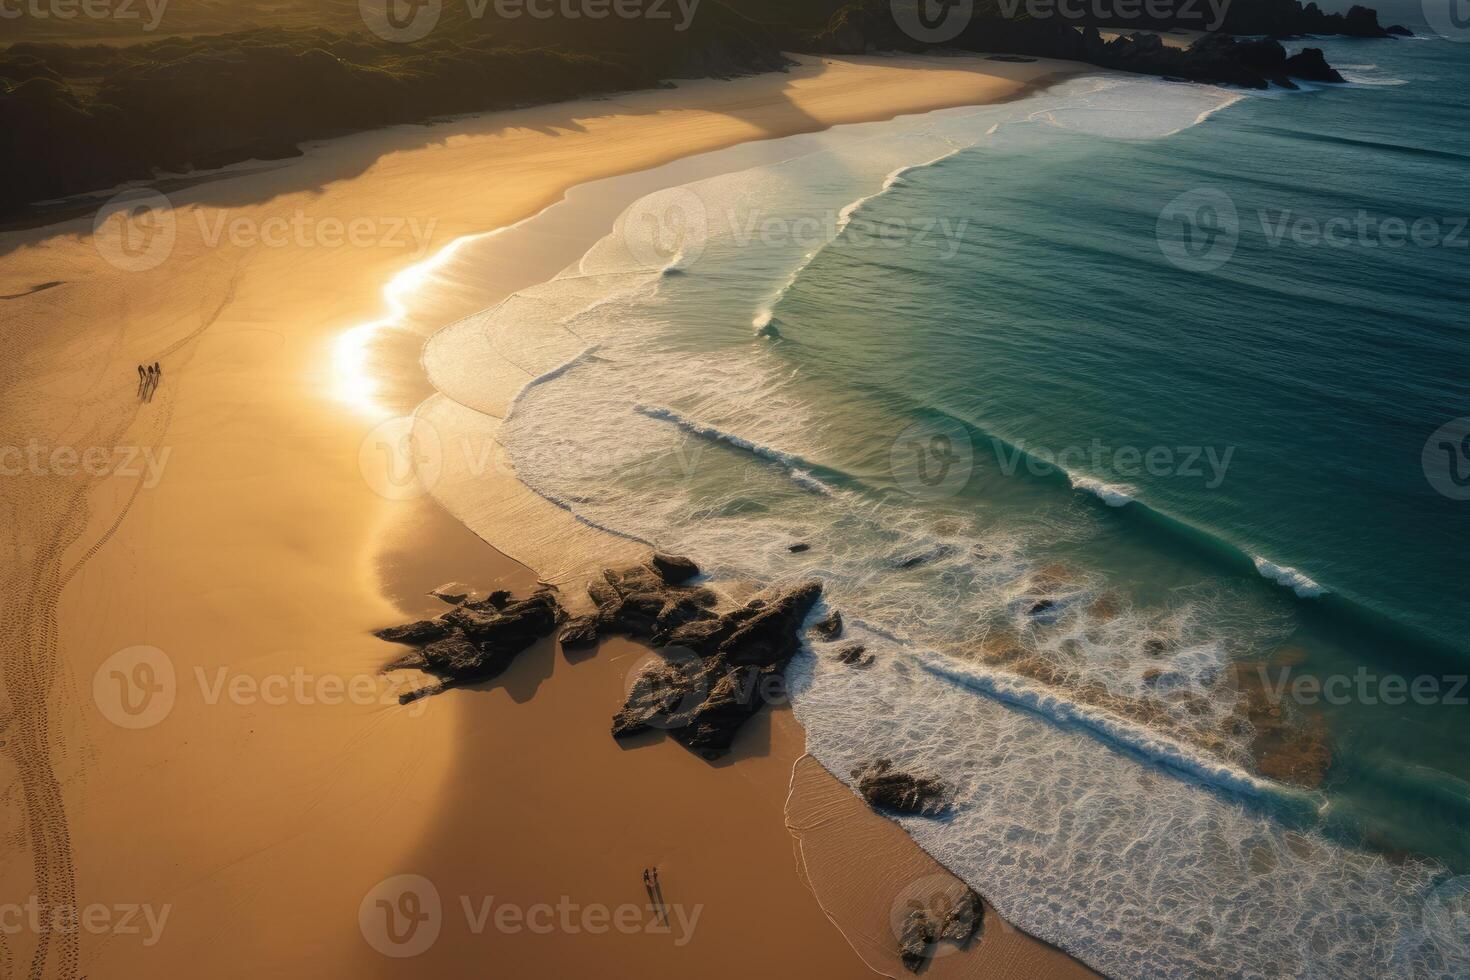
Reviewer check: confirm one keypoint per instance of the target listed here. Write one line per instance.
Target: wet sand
(206, 768)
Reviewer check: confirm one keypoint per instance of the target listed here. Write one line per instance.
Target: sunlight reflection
(354, 383)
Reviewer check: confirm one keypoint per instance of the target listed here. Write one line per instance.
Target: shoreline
(266, 549)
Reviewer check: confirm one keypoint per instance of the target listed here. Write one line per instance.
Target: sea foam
(1136, 851)
(1288, 577)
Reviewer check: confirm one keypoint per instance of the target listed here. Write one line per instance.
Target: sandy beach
(208, 773)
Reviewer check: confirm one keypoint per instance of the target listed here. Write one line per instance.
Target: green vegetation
(77, 117)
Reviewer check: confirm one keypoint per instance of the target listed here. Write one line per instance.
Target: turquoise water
(1290, 392)
(880, 348)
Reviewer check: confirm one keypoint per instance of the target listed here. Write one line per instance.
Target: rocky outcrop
(914, 940)
(1215, 57)
(648, 601)
(944, 918)
(1290, 17)
(1311, 65)
(829, 627)
(887, 788)
(718, 668)
(673, 569)
(475, 641)
(578, 633)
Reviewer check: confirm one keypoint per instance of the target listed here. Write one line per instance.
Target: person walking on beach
(656, 892)
(648, 889)
(142, 380)
(154, 374)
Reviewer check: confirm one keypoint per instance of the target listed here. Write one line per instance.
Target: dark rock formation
(829, 627)
(661, 696)
(855, 655)
(944, 917)
(798, 547)
(474, 641)
(643, 601)
(914, 940)
(886, 788)
(1214, 57)
(719, 668)
(1312, 65)
(415, 634)
(674, 569)
(579, 632)
(963, 918)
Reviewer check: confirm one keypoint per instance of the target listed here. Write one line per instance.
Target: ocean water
(1108, 457)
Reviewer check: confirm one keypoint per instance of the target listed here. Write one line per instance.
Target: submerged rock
(914, 940)
(830, 626)
(855, 655)
(887, 788)
(947, 917)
